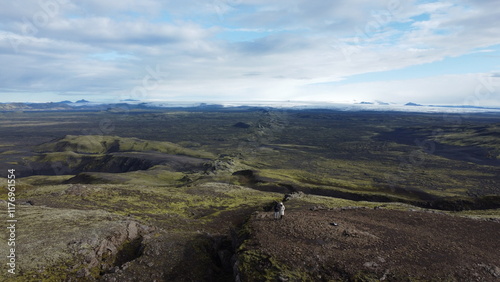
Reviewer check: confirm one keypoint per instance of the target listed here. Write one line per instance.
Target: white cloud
(104, 47)
(467, 89)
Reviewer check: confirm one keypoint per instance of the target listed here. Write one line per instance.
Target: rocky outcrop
(75, 245)
(241, 125)
(101, 255)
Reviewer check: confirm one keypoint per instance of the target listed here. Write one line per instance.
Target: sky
(392, 51)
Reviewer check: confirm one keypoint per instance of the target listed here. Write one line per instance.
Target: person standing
(279, 211)
(282, 210)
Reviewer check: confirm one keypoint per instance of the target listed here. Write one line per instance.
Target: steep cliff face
(111, 252)
(75, 244)
(76, 154)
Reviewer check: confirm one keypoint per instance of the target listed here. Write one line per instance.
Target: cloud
(282, 49)
(464, 89)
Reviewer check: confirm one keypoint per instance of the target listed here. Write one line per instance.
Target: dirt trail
(381, 244)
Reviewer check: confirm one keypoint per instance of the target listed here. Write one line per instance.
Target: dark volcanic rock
(368, 245)
(241, 125)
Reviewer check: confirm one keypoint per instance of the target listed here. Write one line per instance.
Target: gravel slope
(378, 244)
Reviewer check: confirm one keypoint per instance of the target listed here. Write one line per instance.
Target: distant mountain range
(35, 106)
(84, 105)
(413, 104)
(129, 104)
(81, 105)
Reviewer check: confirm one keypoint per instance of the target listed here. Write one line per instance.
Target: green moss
(150, 177)
(43, 180)
(486, 136)
(331, 202)
(300, 177)
(66, 157)
(98, 144)
(10, 152)
(489, 213)
(362, 276)
(203, 203)
(61, 271)
(257, 266)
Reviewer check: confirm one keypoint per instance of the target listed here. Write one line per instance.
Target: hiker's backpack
(277, 208)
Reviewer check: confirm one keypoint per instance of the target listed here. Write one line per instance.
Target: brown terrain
(363, 244)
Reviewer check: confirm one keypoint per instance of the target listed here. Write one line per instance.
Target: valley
(185, 194)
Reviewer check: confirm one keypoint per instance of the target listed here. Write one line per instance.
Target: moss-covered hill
(100, 144)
